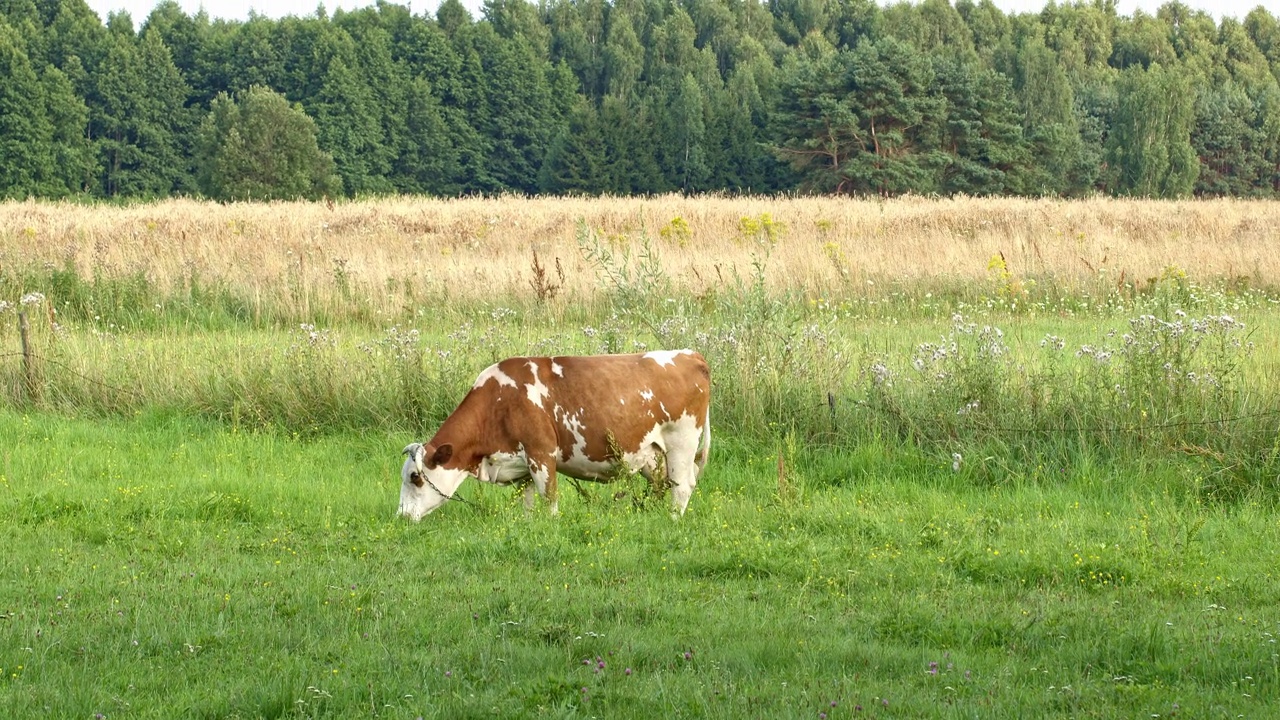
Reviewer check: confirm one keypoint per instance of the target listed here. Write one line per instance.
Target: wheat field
(483, 247)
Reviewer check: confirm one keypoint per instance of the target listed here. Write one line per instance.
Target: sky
(239, 9)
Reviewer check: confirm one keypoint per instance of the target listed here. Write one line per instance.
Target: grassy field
(166, 568)
(960, 483)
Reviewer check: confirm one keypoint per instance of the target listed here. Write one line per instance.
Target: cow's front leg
(542, 468)
(530, 495)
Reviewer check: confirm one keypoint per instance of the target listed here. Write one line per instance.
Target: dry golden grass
(483, 247)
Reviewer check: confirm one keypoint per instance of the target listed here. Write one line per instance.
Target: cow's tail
(705, 451)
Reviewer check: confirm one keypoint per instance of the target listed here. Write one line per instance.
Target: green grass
(161, 566)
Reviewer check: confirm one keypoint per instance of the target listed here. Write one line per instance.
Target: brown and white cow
(528, 417)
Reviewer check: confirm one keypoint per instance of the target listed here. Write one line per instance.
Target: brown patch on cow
(440, 456)
(416, 478)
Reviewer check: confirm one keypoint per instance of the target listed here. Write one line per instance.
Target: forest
(639, 97)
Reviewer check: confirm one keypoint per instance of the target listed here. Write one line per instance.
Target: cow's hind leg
(542, 468)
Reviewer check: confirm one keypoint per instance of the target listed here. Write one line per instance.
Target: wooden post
(29, 384)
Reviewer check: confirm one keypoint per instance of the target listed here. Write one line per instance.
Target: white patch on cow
(493, 372)
(536, 390)
(556, 369)
(666, 357)
(677, 441)
(541, 474)
(646, 394)
(438, 484)
(501, 468)
(573, 425)
(682, 438)
(622, 401)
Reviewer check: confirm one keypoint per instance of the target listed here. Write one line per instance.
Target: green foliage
(27, 153)
(1150, 142)
(1231, 142)
(1050, 123)
(637, 283)
(347, 119)
(255, 146)
(575, 163)
(139, 119)
(983, 136)
(697, 96)
(861, 119)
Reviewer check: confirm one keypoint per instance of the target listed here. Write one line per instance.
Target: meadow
(971, 458)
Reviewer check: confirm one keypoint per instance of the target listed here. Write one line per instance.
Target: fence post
(30, 386)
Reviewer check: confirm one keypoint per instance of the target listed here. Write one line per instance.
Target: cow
(527, 418)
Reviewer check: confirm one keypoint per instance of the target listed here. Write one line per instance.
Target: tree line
(640, 96)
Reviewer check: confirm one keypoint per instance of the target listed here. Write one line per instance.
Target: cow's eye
(415, 478)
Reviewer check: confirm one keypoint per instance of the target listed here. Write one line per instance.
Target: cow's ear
(442, 455)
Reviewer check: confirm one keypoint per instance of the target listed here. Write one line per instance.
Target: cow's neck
(465, 432)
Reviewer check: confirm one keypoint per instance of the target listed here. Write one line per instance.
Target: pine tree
(166, 137)
(76, 32)
(982, 139)
(347, 120)
(427, 161)
(575, 163)
(74, 161)
(26, 136)
(1229, 144)
(139, 119)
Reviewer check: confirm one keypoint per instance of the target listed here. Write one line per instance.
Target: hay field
(480, 247)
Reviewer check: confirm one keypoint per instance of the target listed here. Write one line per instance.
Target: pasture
(970, 459)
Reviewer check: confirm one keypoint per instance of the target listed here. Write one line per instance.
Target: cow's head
(426, 482)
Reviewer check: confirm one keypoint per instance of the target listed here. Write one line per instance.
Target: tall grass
(302, 262)
(1168, 372)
